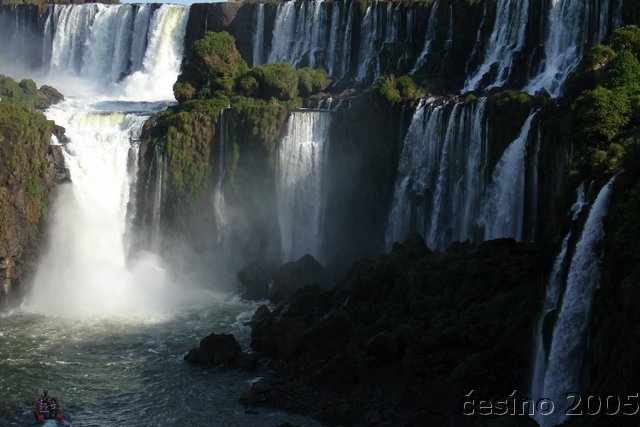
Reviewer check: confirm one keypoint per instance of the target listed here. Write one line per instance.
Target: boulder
(256, 277)
(221, 349)
(293, 276)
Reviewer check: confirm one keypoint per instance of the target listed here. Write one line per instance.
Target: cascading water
(379, 31)
(429, 37)
(100, 326)
(299, 35)
(566, 354)
(258, 40)
(300, 174)
(220, 207)
(441, 175)
(87, 266)
(507, 38)
(503, 211)
(552, 299)
(569, 34)
(310, 34)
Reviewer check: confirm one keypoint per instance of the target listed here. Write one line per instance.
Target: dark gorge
(406, 213)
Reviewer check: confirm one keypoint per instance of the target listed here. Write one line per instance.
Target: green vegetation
(214, 78)
(600, 115)
(609, 111)
(393, 89)
(25, 135)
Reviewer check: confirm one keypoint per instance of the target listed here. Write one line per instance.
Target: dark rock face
(220, 349)
(400, 336)
(293, 275)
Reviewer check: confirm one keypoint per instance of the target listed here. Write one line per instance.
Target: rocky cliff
(30, 169)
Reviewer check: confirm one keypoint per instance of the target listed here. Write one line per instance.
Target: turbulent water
(127, 371)
(102, 327)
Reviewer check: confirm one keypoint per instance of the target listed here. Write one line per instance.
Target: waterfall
(87, 270)
(300, 174)
(105, 44)
(159, 166)
(429, 37)
(569, 34)
(380, 31)
(220, 208)
(441, 175)
(506, 39)
(299, 34)
(551, 300)
(258, 39)
(569, 339)
(503, 210)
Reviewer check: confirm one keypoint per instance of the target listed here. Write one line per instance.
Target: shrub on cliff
(278, 80)
(601, 114)
(626, 38)
(311, 81)
(624, 73)
(385, 88)
(210, 68)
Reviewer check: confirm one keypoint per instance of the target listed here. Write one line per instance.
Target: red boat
(47, 408)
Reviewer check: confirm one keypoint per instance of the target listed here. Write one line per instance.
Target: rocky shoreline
(399, 338)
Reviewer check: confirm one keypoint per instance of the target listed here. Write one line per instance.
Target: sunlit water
(127, 372)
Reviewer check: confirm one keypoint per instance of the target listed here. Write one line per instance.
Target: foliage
(385, 88)
(624, 73)
(408, 87)
(210, 68)
(278, 80)
(25, 135)
(311, 81)
(626, 38)
(597, 57)
(601, 114)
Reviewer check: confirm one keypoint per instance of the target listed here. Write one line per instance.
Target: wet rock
(221, 350)
(293, 276)
(256, 277)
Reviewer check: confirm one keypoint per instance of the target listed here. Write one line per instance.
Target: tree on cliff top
(210, 68)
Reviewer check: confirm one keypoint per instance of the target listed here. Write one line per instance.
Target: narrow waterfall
(551, 300)
(158, 171)
(300, 174)
(220, 207)
(258, 37)
(429, 37)
(506, 39)
(441, 175)
(569, 34)
(86, 269)
(503, 211)
(569, 340)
